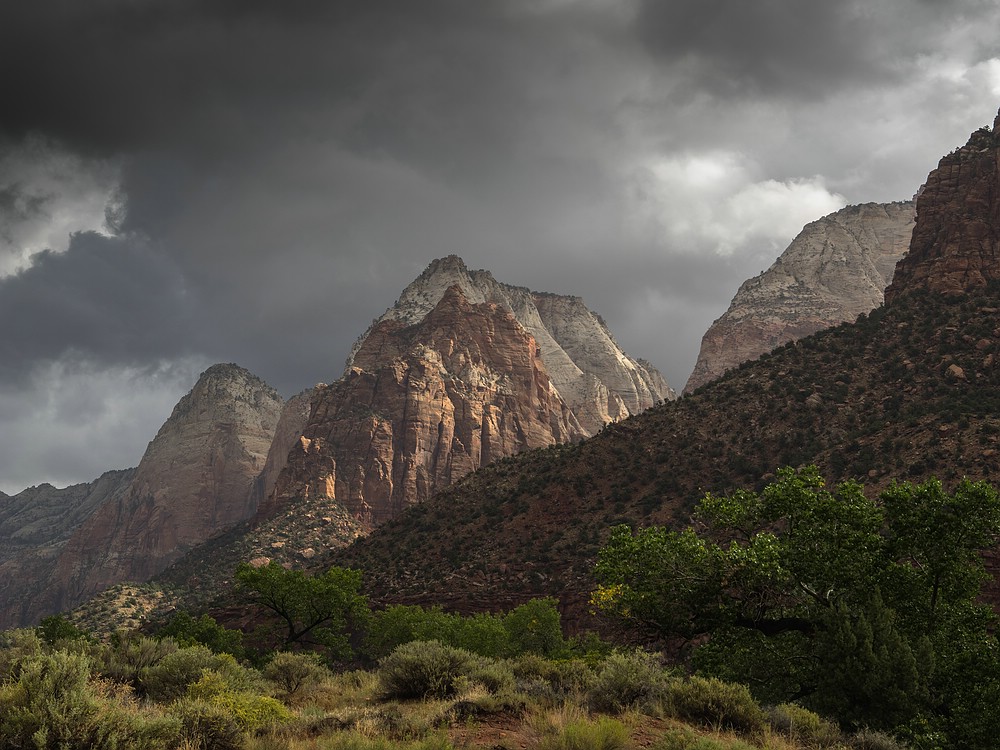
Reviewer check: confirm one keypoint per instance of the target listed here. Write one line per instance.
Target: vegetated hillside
(909, 392)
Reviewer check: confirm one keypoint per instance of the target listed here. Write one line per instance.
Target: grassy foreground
(144, 693)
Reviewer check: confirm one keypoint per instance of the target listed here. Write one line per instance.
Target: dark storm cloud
(793, 48)
(106, 299)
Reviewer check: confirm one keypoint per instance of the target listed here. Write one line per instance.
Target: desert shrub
(16, 646)
(803, 726)
(686, 739)
(493, 675)
(423, 669)
(867, 739)
(250, 710)
(541, 676)
(130, 654)
(171, 676)
(627, 679)
(53, 706)
(714, 703)
(207, 726)
(601, 734)
(295, 671)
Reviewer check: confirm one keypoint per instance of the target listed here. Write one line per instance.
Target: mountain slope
(908, 392)
(835, 269)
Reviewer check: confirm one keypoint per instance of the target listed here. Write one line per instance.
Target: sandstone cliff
(956, 244)
(835, 269)
(461, 371)
(291, 423)
(34, 527)
(194, 480)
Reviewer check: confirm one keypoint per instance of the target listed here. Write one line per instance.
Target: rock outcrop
(291, 423)
(835, 269)
(461, 371)
(956, 244)
(34, 527)
(195, 480)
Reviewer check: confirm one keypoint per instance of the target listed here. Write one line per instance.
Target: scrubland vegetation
(797, 617)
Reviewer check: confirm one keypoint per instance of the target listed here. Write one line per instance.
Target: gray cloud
(284, 169)
(110, 299)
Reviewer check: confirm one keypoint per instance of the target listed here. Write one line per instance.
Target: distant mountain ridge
(836, 268)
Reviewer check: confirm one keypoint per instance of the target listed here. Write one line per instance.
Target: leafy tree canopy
(862, 608)
(315, 610)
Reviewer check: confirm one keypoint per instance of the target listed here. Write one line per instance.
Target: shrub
(423, 669)
(803, 726)
(714, 703)
(53, 706)
(188, 631)
(17, 646)
(127, 657)
(293, 672)
(626, 680)
(493, 675)
(603, 734)
(206, 726)
(867, 739)
(172, 675)
(249, 710)
(685, 739)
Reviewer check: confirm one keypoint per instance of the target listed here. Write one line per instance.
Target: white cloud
(711, 202)
(47, 193)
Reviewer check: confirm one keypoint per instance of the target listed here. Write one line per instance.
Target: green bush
(602, 734)
(423, 669)
(803, 726)
(626, 680)
(686, 739)
(867, 739)
(495, 676)
(536, 628)
(714, 703)
(171, 676)
(53, 706)
(17, 646)
(188, 631)
(251, 711)
(207, 726)
(295, 671)
(129, 655)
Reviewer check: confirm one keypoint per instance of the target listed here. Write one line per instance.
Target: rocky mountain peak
(956, 242)
(836, 268)
(462, 370)
(195, 479)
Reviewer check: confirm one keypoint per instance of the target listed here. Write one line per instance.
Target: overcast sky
(196, 181)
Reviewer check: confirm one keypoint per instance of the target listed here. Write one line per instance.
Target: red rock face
(194, 481)
(956, 241)
(423, 405)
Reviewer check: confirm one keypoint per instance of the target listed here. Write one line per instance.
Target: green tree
(316, 610)
(865, 608)
(187, 631)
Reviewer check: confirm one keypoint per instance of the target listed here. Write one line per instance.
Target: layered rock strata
(461, 371)
(195, 480)
(835, 269)
(956, 244)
